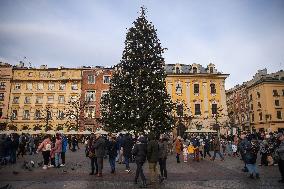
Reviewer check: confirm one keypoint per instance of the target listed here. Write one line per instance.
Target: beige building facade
(266, 103)
(40, 97)
(200, 91)
(5, 85)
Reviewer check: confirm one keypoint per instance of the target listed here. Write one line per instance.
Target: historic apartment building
(238, 108)
(199, 94)
(266, 102)
(40, 97)
(5, 79)
(95, 84)
(257, 105)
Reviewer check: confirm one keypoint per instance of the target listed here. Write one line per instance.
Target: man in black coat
(99, 147)
(140, 153)
(153, 157)
(127, 145)
(112, 152)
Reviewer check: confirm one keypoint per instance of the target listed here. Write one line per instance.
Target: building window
(177, 70)
(251, 106)
(74, 86)
(61, 114)
(51, 86)
(27, 100)
(107, 79)
(30, 74)
(73, 98)
(214, 109)
(258, 95)
(37, 115)
(61, 99)
(180, 110)
(283, 92)
(194, 70)
(40, 86)
(277, 103)
(178, 88)
(252, 117)
(197, 109)
(17, 86)
(250, 97)
(275, 93)
(50, 99)
(62, 86)
(29, 86)
(91, 79)
(39, 99)
(211, 69)
(213, 88)
(90, 96)
(16, 100)
(1, 96)
(279, 115)
(258, 104)
(2, 85)
(1, 112)
(15, 114)
(63, 74)
(196, 88)
(104, 93)
(260, 116)
(90, 112)
(26, 115)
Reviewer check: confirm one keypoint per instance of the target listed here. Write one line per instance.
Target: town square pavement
(192, 175)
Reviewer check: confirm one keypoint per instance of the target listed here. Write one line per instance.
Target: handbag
(91, 154)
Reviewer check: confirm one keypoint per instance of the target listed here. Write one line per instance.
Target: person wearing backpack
(45, 148)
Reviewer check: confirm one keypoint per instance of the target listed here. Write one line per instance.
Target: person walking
(99, 147)
(57, 150)
(112, 152)
(244, 142)
(140, 153)
(251, 151)
(45, 148)
(216, 148)
(163, 153)
(178, 148)
(64, 149)
(127, 145)
(90, 152)
(153, 157)
(206, 148)
(280, 153)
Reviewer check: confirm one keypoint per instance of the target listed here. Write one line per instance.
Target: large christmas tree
(137, 99)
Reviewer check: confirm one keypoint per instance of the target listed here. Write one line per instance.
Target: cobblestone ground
(192, 175)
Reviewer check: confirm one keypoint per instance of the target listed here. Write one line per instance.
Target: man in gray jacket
(280, 151)
(99, 147)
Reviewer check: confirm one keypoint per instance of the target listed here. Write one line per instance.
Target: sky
(238, 36)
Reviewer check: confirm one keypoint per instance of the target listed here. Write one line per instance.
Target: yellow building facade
(201, 93)
(40, 96)
(266, 104)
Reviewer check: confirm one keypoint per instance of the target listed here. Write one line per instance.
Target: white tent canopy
(101, 132)
(85, 132)
(200, 131)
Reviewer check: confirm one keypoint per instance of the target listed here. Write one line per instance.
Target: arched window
(194, 70)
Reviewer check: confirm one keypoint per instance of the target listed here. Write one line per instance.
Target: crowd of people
(127, 148)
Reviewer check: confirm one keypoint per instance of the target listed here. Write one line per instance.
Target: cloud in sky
(239, 37)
